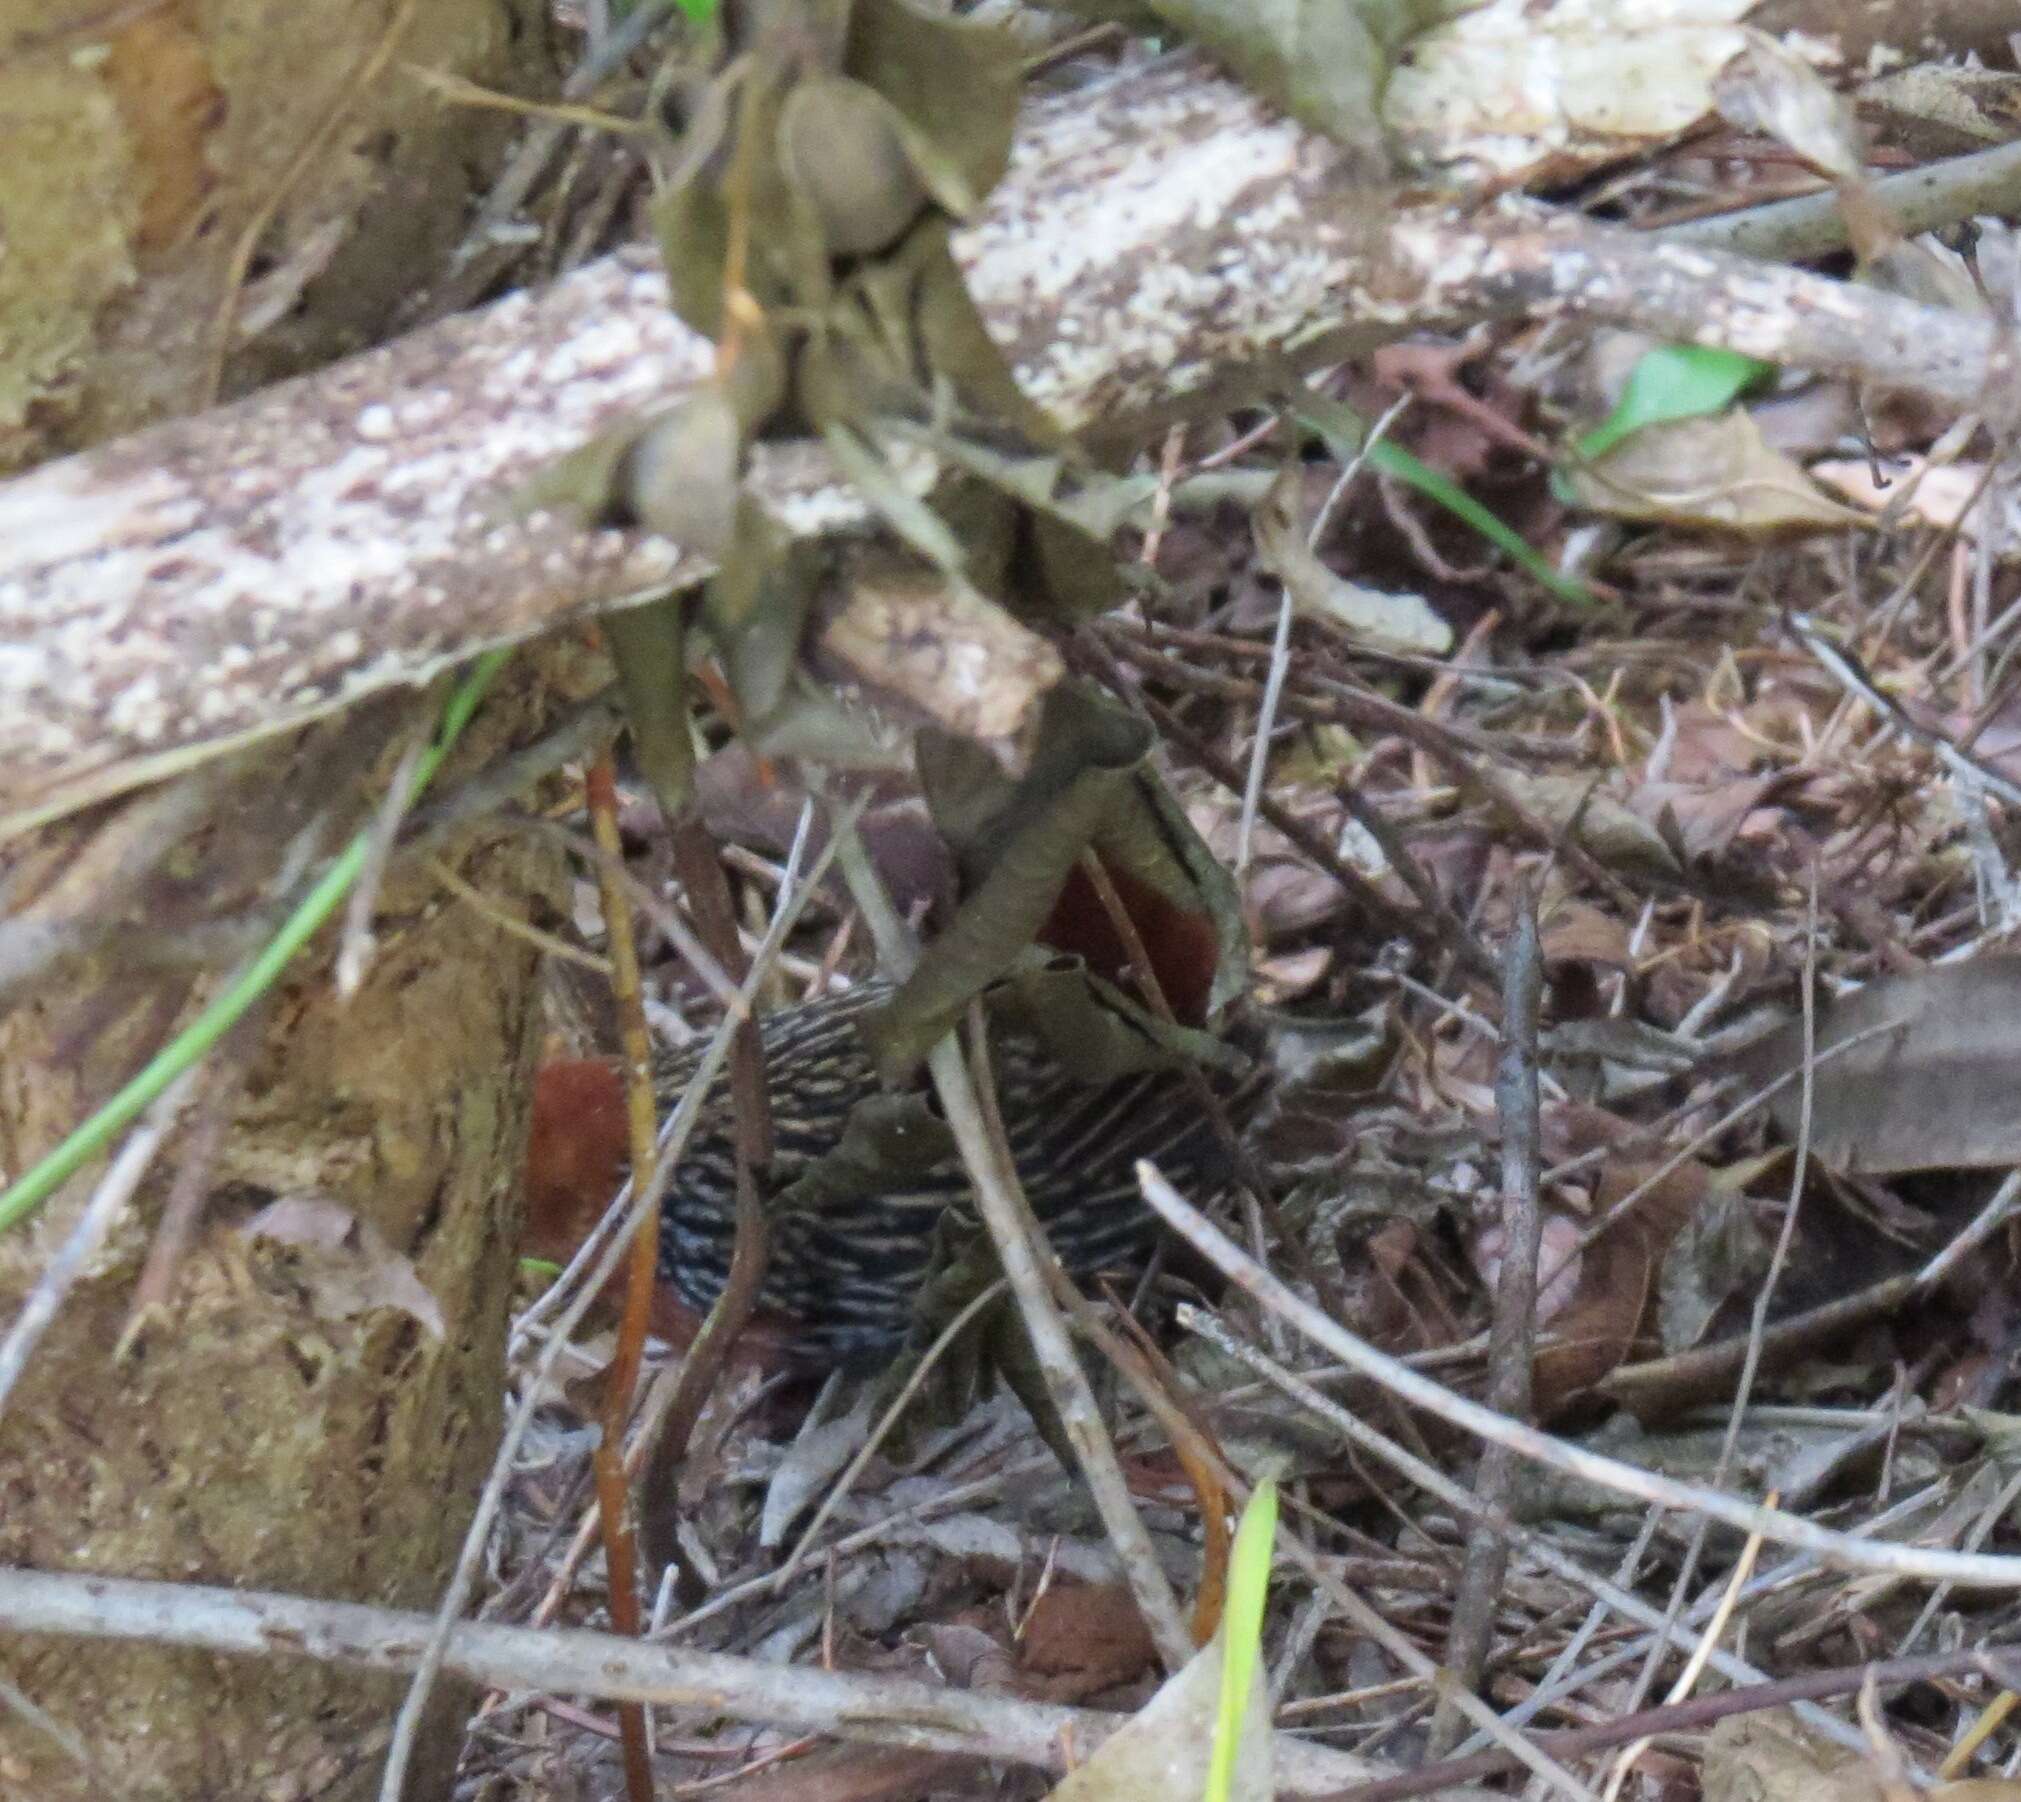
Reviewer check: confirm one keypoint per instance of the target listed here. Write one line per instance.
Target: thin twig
(881, 1431)
(622, 1375)
(1535, 1546)
(1018, 1237)
(1978, 1571)
(355, 943)
(95, 1222)
(873, 1709)
(189, 1189)
(708, 895)
(638, 1205)
(550, 944)
(1512, 1341)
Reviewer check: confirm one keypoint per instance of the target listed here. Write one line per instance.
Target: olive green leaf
(1326, 62)
(995, 925)
(1093, 1031)
(888, 1142)
(649, 646)
(954, 83)
(1089, 787)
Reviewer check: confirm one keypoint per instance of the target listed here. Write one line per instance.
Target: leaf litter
(1712, 822)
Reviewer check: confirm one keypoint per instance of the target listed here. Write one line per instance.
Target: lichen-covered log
(1155, 239)
(314, 1404)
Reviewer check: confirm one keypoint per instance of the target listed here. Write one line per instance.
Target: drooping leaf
(996, 924)
(1094, 1032)
(648, 645)
(1390, 622)
(755, 609)
(954, 83)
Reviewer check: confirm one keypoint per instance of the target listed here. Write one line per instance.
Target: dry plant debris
(1757, 806)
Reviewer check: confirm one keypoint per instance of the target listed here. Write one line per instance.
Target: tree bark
(289, 1419)
(289, 1415)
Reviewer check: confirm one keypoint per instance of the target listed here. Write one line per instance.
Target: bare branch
(878, 1710)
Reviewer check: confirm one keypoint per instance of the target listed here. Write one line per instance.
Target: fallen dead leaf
(344, 1262)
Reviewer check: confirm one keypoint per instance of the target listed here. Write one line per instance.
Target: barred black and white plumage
(848, 1274)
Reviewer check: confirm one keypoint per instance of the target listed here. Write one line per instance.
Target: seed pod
(679, 478)
(841, 148)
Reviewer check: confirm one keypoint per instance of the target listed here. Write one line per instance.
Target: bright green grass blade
(1393, 460)
(41, 1180)
(1242, 1631)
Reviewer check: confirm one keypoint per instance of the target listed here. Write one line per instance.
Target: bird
(844, 1276)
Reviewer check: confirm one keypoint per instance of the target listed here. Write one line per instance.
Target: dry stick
(1436, 928)
(876, 1710)
(355, 942)
(549, 943)
(1802, 1692)
(1841, 1550)
(1437, 1484)
(1159, 1387)
(1005, 1212)
(708, 893)
(1403, 1650)
(1758, 1320)
(1694, 1667)
(1512, 1342)
(38, 1719)
(1767, 1092)
(95, 1222)
(1814, 225)
(1280, 643)
(621, 1378)
(644, 1206)
(882, 1430)
(189, 1189)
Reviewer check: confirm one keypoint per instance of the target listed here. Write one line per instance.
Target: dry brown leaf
(1929, 1086)
(1617, 1279)
(1711, 471)
(1770, 1756)
(1090, 1632)
(1392, 622)
(1162, 1751)
(1513, 90)
(343, 1261)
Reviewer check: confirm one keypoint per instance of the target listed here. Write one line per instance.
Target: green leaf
(1673, 381)
(648, 644)
(1242, 1632)
(1394, 460)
